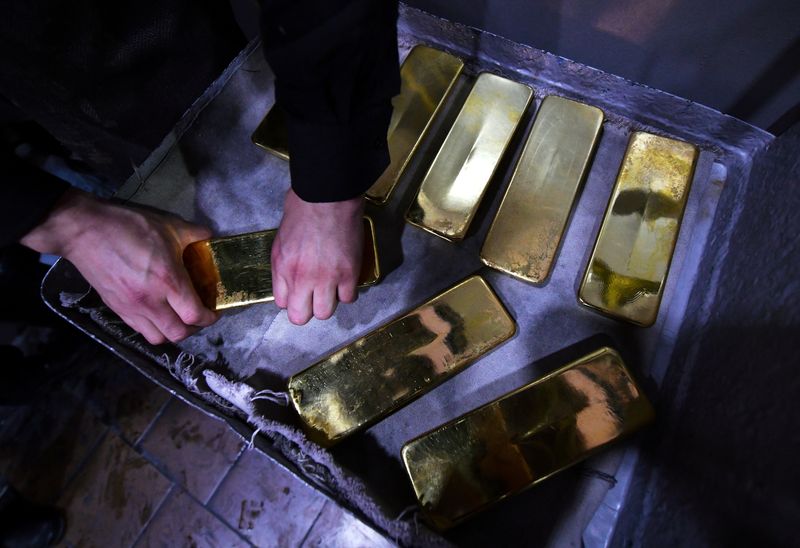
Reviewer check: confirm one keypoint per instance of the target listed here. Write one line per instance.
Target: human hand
(316, 256)
(132, 258)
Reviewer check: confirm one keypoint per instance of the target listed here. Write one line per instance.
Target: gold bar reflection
(237, 270)
(630, 261)
(427, 77)
(526, 232)
(360, 384)
(524, 437)
(272, 135)
(459, 175)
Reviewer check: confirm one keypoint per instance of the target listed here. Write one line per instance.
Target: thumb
(188, 233)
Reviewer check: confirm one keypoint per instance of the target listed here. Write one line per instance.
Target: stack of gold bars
(520, 439)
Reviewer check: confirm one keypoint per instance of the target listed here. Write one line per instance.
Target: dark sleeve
(27, 195)
(336, 71)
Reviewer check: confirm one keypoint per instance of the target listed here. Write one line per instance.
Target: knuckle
(345, 275)
(348, 270)
(301, 273)
(193, 316)
(138, 296)
(164, 275)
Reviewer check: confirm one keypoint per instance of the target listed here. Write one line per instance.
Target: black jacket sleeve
(336, 71)
(27, 194)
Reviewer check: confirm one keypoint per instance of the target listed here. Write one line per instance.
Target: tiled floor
(131, 466)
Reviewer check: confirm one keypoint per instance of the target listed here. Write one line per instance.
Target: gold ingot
(524, 437)
(237, 270)
(367, 380)
(527, 230)
(630, 261)
(459, 175)
(272, 135)
(426, 79)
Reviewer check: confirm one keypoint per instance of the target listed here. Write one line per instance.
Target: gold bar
(527, 229)
(426, 79)
(630, 261)
(237, 270)
(459, 175)
(524, 437)
(367, 380)
(272, 135)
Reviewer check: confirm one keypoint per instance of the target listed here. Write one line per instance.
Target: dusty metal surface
(367, 380)
(521, 439)
(452, 190)
(630, 261)
(237, 270)
(531, 219)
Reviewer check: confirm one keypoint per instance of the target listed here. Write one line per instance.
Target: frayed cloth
(273, 396)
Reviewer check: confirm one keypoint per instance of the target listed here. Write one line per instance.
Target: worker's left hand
(316, 256)
(132, 258)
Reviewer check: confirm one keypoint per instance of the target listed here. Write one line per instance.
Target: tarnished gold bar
(272, 135)
(367, 380)
(237, 270)
(516, 441)
(629, 264)
(426, 79)
(527, 229)
(459, 175)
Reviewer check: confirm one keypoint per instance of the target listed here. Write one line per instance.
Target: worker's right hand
(316, 256)
(132, 258)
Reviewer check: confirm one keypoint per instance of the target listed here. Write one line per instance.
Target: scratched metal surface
(210, 172)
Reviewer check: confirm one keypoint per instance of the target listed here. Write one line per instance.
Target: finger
(299, 308)
(347, 291)
(280, 285)
(146, 328)
(280, 290)
(187, 304)
(138, 323)
(188, 233)
(324, 301)
(167, 321)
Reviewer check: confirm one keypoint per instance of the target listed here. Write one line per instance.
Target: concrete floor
(130, 465)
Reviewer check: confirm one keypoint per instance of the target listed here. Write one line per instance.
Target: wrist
(63, 225)
(353, 207)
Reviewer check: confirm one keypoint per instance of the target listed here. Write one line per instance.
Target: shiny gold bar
(272, 135)
(527, 229)
(459, 175)
(237, 270)
(630, 261)
(426, 79)
(367, 380)
(524, 437)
